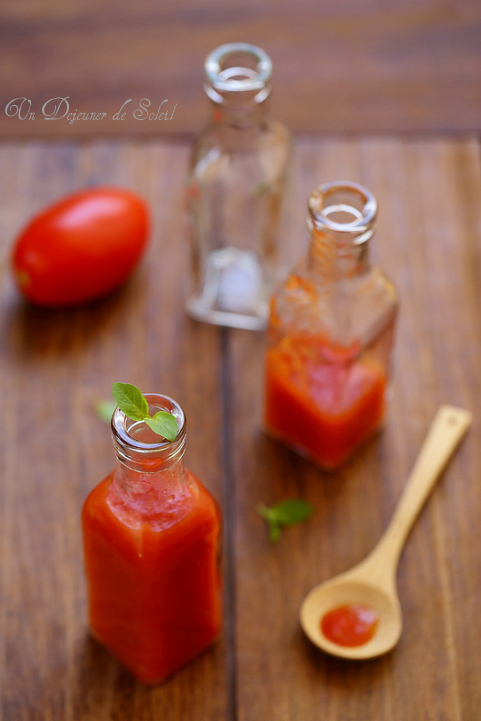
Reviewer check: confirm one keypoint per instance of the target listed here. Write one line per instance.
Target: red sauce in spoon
(350, 625)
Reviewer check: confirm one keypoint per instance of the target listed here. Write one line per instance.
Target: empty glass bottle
(330, 333)
(236, 193)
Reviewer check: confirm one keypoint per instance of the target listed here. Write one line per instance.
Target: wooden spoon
(373, 581)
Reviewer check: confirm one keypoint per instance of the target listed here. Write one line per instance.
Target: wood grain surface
(373, 65)
(54, 450)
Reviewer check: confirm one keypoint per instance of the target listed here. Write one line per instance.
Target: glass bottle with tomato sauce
(331, 333)
(151, 540)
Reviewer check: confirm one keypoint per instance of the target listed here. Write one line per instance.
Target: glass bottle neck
(334, 259)
(342, 218)
(142, 478)
(149, 481)
(240, 114)
(161, 497)
(238, 83)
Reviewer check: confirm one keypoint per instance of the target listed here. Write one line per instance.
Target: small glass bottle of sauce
(151, 539)
(330, 333)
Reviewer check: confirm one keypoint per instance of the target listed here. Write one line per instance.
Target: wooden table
(369, 65)
(55, 365)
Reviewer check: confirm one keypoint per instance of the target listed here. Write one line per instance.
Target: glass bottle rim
(130, 448)
(361, 228)
(223, 80)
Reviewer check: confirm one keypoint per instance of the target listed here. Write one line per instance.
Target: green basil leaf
(131, 401)
(105, 409)
(164, 424)
(295, 510)
(285, 513)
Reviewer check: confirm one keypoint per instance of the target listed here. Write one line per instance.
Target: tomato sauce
(153, 577)
(350, 625)
(323, 408)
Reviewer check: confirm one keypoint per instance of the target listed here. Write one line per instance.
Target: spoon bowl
(372, 582)
(346, 590)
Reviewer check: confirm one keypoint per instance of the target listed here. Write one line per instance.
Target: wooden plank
(395, 66)
(54, 449)
(428, 241)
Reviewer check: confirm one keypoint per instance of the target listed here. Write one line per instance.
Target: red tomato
(82, 247)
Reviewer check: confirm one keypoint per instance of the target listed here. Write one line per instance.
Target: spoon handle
(446, 431)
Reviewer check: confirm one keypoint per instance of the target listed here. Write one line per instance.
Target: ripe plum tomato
(81, 248)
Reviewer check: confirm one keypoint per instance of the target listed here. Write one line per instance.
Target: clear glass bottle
(151, 540)
(330, 333)
(237, 194)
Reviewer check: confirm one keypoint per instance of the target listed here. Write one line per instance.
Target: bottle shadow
(93, 682)
(103, 688)
(288, 472)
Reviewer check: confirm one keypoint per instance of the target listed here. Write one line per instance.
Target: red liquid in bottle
(151, 541)
(325, 410)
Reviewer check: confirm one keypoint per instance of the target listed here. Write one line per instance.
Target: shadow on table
(284, 472)
(30, 332)
(342, 674)
(103, 688)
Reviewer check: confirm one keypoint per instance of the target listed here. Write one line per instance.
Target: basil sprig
(285, 513)
(135, 406)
